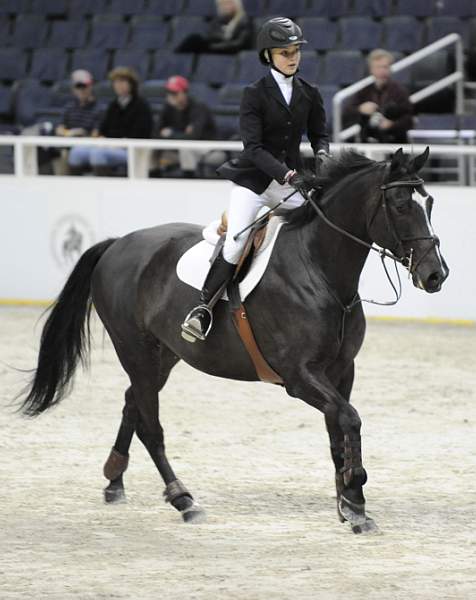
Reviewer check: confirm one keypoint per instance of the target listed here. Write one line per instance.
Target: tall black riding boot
(199, 320)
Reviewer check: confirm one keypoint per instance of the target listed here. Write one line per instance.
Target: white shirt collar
(281, 79)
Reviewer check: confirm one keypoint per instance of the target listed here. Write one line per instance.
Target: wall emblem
(70, 237)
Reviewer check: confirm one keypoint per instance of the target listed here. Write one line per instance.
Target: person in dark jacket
(229, 32)
(382, 109)
(127, 116)
(275, 112)
(184, 118)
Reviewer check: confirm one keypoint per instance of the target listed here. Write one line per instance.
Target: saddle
(239, 316)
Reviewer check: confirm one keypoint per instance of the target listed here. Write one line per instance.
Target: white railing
(457, 78)
(25, 162)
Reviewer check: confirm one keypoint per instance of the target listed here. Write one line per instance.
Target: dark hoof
(369, 526)
(114, 494)
(194, 514)
(355, 515)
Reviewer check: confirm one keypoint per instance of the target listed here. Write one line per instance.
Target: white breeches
(244, 207)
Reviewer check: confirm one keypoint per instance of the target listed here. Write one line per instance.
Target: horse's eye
(402, 206)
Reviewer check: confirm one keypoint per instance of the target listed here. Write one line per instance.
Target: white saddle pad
(193, 266)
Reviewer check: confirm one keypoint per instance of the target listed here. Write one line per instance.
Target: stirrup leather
(192, 326)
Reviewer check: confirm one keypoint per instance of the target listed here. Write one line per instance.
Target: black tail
(65, 337)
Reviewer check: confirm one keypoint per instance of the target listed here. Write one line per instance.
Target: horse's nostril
(434, 278)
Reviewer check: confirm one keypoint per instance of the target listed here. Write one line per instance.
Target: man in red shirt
(383, 109)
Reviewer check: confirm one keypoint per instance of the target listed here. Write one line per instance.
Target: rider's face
(287, 59)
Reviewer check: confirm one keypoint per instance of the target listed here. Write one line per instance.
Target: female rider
(275, 111)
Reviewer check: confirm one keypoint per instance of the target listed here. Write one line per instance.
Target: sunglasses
(80, 86)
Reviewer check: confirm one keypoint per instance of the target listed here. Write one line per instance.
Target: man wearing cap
(81, 115)
(128, 116)
(185, 118)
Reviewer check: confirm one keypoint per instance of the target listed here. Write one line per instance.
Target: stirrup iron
(191, 327)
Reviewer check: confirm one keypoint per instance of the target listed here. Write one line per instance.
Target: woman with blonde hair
(230, 31)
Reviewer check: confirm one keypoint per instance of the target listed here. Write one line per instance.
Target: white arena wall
(42, 218)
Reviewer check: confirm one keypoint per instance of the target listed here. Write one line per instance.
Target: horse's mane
(337, 172)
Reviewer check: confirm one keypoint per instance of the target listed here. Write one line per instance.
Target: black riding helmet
(279, 32)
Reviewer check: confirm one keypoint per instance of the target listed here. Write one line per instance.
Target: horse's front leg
(344, 426)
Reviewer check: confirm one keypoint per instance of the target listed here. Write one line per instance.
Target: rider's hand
(298, 182)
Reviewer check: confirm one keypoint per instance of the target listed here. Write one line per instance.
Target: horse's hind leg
(147, 380)
(118, 459)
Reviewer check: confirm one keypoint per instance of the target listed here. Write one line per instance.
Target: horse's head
(401, 222)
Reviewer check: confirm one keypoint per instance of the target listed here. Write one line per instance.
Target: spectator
(229, 32)
(184, 118)
(81, 115)
(128, 116)
(383, 109)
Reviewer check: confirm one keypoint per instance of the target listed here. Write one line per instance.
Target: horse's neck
(339, 258)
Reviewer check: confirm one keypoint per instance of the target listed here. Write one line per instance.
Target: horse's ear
(397, 160)
(418, 162)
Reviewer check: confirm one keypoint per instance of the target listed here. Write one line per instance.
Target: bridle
(403, 257)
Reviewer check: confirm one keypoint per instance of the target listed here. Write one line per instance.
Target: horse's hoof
(194, 514)
(114, 495)
(368, 527)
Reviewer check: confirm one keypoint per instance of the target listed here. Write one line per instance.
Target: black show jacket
(271, 132)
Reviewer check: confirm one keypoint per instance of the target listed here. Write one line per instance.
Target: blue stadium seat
(404, 76)
(94, 60)
(138, 59)
(415, 8)
(30, 31)
(430, 69)
(331, 9)
(13, 7)
(372, 8)
(48, 64)
(342, 67)
(287, 8)
(203, 92)
(81, 8)
(200, 8)
(49, 8)
(4, 30)
(229, 96)
(438, 27)
(320, 33)
(430, 121)
(214, 68)
(68, 34)
(13, 64)
(104, 93)
(255, 8)
(153, 90)
(61, 93)
(182, 27)
(455, 8)
(108, 31)
(6, 99)
(166, 64)
(328, 92)
(308, 67)
(228, 127)
(249, 68)
(404, 34)
(148, 33)
(164, 8)
(360, 33)
(126, 7)
(30, 97)
(467, 121)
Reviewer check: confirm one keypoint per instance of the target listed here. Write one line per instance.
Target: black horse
(298, 312)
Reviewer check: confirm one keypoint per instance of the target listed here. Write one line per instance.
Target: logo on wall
(70, 237)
